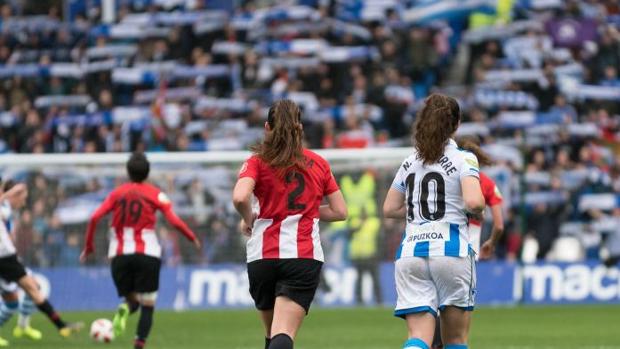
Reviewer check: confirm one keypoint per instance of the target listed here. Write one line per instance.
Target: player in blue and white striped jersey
(9, 290)
(435, 189)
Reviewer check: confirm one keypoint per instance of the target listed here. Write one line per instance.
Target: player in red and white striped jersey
(284, 251)
(493, 199)
(134, 247)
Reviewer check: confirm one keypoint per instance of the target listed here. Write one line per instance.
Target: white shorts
(428, 284)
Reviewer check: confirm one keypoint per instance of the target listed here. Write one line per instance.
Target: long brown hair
(472, 144)
(435, 123)
(283, 144)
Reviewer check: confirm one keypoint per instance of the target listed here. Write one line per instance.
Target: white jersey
(7, 248)
(436, 218)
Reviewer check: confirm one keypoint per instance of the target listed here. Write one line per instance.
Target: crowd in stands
(537, 81)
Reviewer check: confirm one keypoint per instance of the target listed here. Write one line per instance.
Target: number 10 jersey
(436, 217)
(287, 205)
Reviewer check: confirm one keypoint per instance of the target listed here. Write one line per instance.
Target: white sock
(23, 321)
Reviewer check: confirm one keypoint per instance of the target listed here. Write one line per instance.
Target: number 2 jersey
(134, 209)
(288, 208)
(436, 217)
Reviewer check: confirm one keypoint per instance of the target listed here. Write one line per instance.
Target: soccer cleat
(70, 329)
(119, 322)
(3, 342)
(27, 332)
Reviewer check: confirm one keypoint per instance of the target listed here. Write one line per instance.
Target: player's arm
(165, 206)
(473, 199)
(242, 194)
(394, 204)
(336, 208)
(487, 250)
(242, 200)
(100, 212)
(16, 190)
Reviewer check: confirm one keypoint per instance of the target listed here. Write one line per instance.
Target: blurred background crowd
(537, 82)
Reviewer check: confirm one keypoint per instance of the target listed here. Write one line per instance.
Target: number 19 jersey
(436, 217)
(134, 209)
(288, 203)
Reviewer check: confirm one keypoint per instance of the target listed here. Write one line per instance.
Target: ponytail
(435, 123)
(283, 144)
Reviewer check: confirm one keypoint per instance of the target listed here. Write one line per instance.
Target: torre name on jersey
(447, 166)
(444, 162)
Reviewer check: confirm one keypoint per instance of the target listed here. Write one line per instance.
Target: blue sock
(456, 346)
(7, 309)
(415, 343)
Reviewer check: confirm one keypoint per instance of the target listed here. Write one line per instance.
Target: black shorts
(135, 273)
(11, 269)
(296, 279)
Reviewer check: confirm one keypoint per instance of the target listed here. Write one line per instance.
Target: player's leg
(420, 329)
(122, 275)
(295, 290)
(146, 284)
(262, 278)
(145, 323)
(456, 282)
(26, 309)
(10, 304)
(23, 328)
(455, 329)
(266, 317)
(287, 318)
(130, 305)
(416, 301)
(437, 343)
(30, 286)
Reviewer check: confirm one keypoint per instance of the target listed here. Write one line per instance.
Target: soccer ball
(101, 331)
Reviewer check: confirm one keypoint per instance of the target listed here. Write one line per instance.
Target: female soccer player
(134, 247)
(492, 198)
(284, 251)
(13, 271)
(435, 188)
(14, 199)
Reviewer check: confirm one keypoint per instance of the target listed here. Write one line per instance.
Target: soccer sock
(26, 308)
(267, 341)
(133, 307)
(281, 341)
(138, 344)
(7, 309)
(145, 323)
(49, 311)
(415, 343)
(456, 346)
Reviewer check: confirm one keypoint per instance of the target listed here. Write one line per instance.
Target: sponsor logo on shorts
(425, 237)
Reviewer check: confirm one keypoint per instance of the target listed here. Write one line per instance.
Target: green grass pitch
(561, 327)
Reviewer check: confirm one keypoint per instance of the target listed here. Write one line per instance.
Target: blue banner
(226, 286)
(562, 283)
